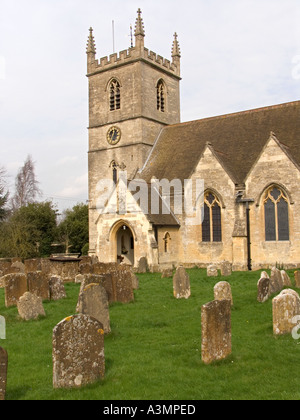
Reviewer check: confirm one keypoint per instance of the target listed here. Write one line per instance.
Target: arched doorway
(125, 245)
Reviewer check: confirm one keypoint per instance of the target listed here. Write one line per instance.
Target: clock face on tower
(113, 135)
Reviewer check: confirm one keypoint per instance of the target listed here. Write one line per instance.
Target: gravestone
(78, 352)
(142, 265)
(212, 271)
(57, 288)
(216, 330)
(285, 279)
(181, 284)
(120, 276)
(135, 281)
(3, 373)
(2, 328)
(104, 280)
(297, 279)
(226, 268)
(263, 289)
(93, 301)
(285, 306)
(38, 283)
(15, 287)
(276, 284)
(30, 306)
(222, 291)
(167, 273)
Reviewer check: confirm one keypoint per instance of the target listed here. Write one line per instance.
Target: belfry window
(276, 215)
(211, 225)
(114, 95)
(160, 89)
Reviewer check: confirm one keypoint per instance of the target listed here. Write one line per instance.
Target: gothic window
(211, 225)
(114, 95)
(167, 239)
(160, 89)
(276, 215)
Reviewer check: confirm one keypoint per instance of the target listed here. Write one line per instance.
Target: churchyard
(153, 344)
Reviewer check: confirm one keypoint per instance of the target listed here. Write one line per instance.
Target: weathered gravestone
(15, 287)
(222, 291)
(216, 330)
(142, 265)
(104, 280)
(276, 284)
(38, 283)
(120, 276)
(2, 328)
(30, 306)
(93, 301)
(212, 271)
(226, 269)
(263, 289)
(181, 284)
(167, 273)
(3, 373)
(57, 288)
(78, 352)
(285, 307)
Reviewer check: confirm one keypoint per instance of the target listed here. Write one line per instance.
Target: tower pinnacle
(139, 25)
(175, 47)
(91, 47)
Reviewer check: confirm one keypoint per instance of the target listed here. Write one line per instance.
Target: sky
(235, 55)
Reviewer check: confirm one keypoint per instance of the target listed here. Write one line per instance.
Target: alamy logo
(161, 197)
(2, 328)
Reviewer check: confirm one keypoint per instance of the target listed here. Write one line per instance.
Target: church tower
(132, 96)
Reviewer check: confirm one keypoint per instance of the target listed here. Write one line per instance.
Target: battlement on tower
(131, 55)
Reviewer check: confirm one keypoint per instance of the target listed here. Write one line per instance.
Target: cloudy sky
(236, 55)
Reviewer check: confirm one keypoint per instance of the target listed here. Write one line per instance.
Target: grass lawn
(154, 349)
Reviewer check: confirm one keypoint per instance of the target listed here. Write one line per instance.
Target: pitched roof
(237, 140)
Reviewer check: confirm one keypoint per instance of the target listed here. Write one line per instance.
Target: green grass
(154, 350)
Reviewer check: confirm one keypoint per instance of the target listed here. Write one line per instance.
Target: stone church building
(249, 163)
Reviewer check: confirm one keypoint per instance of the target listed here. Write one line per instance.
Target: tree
(74, 228)
(29, 231)
(3, 195)
(26, 185)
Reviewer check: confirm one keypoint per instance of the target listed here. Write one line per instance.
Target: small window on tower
(160, 96)
(114, 95)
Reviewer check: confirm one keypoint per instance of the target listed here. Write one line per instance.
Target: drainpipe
(247, 201)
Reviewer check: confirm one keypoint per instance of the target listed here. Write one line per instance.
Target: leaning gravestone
(181, 284)
(285, 279)
(222, 291)
(276, 284)
(216, 330)
(263, 289)
(297, 279)
(285, 307)
(3, 373)
(15, 287)
(30, 306)
(93, 301)
(78, 352)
